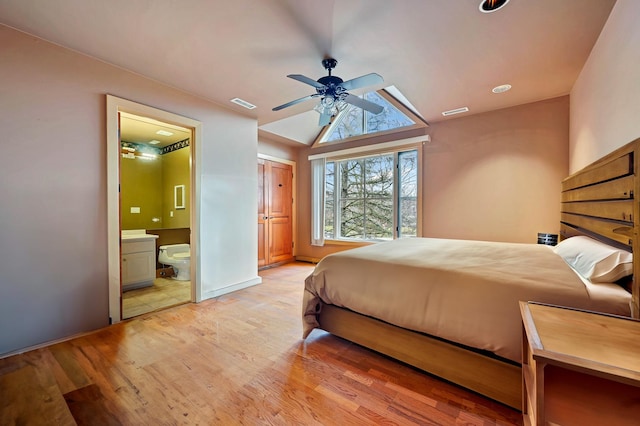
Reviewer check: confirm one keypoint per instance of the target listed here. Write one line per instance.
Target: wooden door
(275, 199)
(263, 215)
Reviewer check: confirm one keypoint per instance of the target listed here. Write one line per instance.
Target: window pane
(329, 200)
(350, 124)
(390, 118)
(359, 197)
(408, 223)
(354, 121)
(408, 191)
(379, 176)
(379, 218)
(351, 179)
(352, 218)
(329, 219)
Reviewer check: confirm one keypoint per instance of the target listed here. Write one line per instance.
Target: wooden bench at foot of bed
(491, 377)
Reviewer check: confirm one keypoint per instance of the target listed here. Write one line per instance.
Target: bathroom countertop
(133, 236)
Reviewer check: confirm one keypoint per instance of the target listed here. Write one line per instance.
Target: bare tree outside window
(359, 197)
(408, 194)
(354, 121)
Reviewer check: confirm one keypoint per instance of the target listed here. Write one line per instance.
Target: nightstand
(579, 368)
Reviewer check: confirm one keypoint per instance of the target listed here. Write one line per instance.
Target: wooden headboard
(600, 201)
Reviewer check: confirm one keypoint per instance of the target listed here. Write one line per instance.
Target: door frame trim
(294, 190)
(114, 106)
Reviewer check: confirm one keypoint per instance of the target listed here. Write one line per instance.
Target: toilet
(179, 257)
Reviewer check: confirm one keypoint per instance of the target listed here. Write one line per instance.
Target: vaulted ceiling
(441, 54)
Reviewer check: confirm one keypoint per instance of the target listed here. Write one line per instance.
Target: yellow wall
(140, 186)
(175, 171)
(149, 184)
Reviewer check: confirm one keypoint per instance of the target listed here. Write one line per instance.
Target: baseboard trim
(49, 343)
(231, 288)
(307, 259)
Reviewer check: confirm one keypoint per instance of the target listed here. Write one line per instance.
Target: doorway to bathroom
(155, 160)
(153, 209)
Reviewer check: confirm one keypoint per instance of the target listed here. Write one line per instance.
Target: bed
(471, 335)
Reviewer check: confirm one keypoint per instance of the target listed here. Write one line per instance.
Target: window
(353, 123)
(372, 198)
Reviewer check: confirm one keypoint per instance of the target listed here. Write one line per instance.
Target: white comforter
(463, 291)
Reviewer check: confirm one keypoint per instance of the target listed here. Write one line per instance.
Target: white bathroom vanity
(138, 252)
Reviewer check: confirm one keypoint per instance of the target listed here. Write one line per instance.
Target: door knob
(265, 218)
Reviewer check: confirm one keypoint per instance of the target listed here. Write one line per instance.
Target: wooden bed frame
(597, 201)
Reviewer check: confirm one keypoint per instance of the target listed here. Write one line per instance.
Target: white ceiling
(441, 54)
(134, 128)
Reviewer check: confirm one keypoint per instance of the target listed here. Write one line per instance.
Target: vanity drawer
(138, 246)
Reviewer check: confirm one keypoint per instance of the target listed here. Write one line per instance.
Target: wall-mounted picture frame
(178, 197)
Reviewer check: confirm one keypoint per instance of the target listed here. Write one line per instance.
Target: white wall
(605, 100)
(53, 190)
(229, 181)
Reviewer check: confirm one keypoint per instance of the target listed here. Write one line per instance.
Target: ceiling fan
(332, 91)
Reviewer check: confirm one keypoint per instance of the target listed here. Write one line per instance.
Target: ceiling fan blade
(362, 81)
(303, 79)
(297, 101)
(364, 104)
(324, 120)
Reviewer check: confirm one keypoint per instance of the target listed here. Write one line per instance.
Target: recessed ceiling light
(455, 111)
(147, 155)
(501, 89)
(164, 133)
(243, 103)
(488, 6)
(154, 142)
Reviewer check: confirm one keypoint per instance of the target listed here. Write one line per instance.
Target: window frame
(363, 198)
(419, 123)
(393, 148)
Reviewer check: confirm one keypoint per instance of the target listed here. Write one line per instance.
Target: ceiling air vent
(455, 111)
(242, 103)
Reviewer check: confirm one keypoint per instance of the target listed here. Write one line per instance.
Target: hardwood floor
(237, 359)
(164, 293)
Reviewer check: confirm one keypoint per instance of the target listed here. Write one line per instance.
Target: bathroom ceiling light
(501, 89)
(147, 156)
(488, 6)
(243, 103)
(154, 142)
(164, 133)
(455, 111)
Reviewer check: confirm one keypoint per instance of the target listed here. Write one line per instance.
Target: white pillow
(596, 261)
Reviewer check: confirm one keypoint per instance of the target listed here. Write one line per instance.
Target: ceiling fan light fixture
(333, 92)
(488, 6)
(328, 102)
(330, 106)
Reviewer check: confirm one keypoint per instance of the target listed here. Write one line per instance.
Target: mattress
(459, 290)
